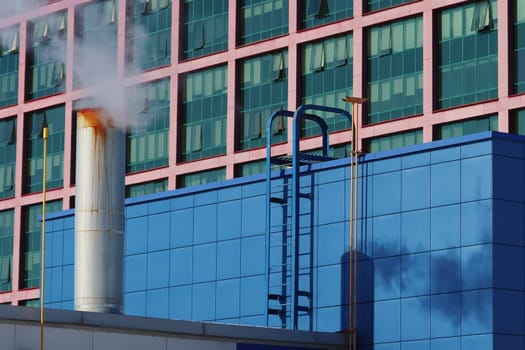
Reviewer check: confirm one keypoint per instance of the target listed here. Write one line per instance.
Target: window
(6, 249)
(30, 303)
(263, 19)
(9, 41)
(395, 70)
(318, 12)
(147, 143)
(518, 56)
(468, 59)
(482, 18)
(374, 5)
(204, 114)
(148, 34)
(7, 157)
(327, 68)
(465, 127)
(205, 28)
(517, 122)
(47, 55)
(34, 164)
(254, 168)
(32, 232)
(146, 188)
(393, 141)
(201, 178)
(336, 151)
(263, 91)
(251, 168)
(96, 41)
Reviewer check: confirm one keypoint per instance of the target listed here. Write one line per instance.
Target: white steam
(94, 65)
(11, 7)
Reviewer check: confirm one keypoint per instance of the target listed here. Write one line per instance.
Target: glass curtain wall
(327, 78)
(395, 70)
(34, 165)
(468, 54)
(374, 5)
(148, 140)
(262, 19)
(264, 90)
(466, 127)
(319, 12)
(201, 177)
(205, 28)
(6, 249)
(518, 57)
(204, 114)
(393, 141)
(46, 55)
(9, 45)
(145, 188)
(31, 235)
(7, 157)
(148, 34)
(95, 42)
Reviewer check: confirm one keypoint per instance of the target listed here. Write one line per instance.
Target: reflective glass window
(393, 141)
(374, 5)
(466, 127)
(395, 70)
(201, 177)
(6, 249)
(318, 12)
(148, 140)
(204, 114)
(7, 157)
(264, 90)
(9, 45)
(263, 19)
(468, 54)
(327, 68)
(145, 188)
(518, 57)
(205, 28)
(148, 34)
(34, 149)
(96, 41)
(46, 55)
(32, 232)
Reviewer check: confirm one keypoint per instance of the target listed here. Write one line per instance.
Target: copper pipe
(43, 240)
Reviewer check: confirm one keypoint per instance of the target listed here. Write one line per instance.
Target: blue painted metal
(287, 298)
(272, 297)
(297, 161)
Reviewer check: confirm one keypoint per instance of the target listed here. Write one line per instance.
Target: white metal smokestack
(99, 213)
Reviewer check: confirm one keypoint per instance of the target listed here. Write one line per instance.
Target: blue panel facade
(441, 249)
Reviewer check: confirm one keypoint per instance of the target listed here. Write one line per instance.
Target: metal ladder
(289, 230)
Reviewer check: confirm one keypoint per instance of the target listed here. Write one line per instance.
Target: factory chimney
(99, 213)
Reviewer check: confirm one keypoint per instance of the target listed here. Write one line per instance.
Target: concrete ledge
(163, 327)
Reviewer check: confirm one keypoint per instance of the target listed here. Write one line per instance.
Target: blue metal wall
(441, 249)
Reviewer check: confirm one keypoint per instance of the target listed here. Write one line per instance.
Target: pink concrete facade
(231, 57)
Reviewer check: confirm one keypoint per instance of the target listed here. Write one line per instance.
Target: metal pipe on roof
(99, 213)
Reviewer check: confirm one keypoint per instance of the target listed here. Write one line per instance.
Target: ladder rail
(269, 204)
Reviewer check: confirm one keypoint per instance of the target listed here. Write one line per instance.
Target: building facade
(196, 81)
(440, 261)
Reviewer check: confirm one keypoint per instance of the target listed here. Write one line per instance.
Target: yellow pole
(354, 201)
(43, 240)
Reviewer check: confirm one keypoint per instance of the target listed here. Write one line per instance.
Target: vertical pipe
(43, 239)
(356, 202)
(99, 213)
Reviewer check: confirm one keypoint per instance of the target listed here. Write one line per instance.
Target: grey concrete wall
(64, 330)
